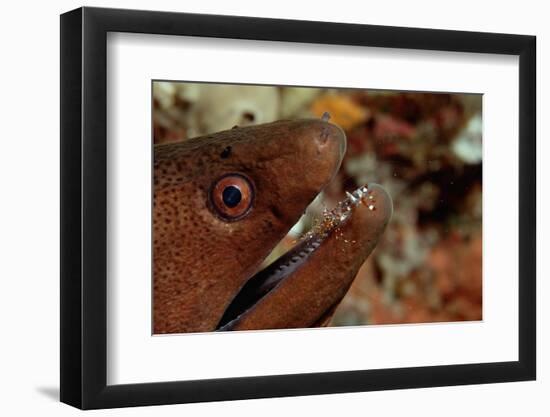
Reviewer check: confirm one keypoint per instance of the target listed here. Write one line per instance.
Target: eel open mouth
(346, 235)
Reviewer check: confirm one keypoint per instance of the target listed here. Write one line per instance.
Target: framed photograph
(258, 208)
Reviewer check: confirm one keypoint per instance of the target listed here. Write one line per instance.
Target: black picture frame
(84, 207)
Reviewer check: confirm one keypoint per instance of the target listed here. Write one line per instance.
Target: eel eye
(232, 196)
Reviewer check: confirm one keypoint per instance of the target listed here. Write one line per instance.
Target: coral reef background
(424, 148)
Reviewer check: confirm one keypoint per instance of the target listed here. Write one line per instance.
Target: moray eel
(221, 204)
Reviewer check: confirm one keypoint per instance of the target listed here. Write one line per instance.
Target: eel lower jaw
(267, 279)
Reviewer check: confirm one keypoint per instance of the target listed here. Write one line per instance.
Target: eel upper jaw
(269, 278)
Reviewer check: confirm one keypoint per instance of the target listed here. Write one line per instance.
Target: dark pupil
(231, 196)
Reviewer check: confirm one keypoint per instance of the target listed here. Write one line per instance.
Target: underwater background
(424, 148)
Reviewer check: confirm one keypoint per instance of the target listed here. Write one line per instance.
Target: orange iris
(231, 196)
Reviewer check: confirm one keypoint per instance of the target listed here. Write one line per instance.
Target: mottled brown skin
(200, 260)
(318, 286)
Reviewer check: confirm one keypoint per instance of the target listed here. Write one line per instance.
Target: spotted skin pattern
(201, 261)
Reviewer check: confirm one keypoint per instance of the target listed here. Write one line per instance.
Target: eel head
(223, 202)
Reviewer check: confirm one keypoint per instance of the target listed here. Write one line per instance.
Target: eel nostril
(325, 133)
(331, 135)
